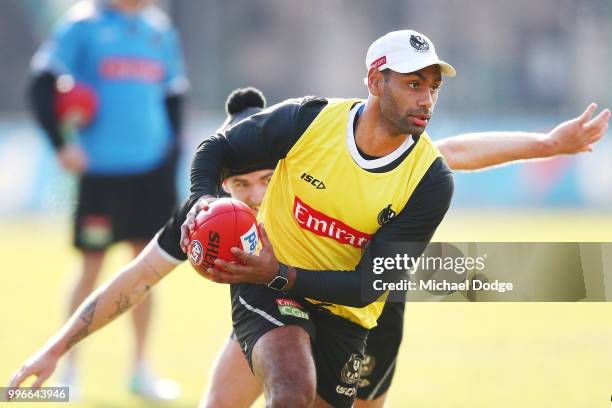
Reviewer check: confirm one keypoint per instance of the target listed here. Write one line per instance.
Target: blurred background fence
(522, 65)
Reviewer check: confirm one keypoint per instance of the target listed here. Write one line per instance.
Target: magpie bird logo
(419, 43)
(350, 371)
(385, 215)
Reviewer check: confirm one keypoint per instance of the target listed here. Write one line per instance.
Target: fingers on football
(188, 225)
(191, 216)
(201, 204)
(242, 256)
(232, 268)
(221, 277)
(184, 237)
(187, 228)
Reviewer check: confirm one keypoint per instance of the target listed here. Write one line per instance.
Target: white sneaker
(146, 385)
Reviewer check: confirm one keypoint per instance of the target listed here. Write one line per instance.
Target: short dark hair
(244, 98)
(240, 104)
(386, 74)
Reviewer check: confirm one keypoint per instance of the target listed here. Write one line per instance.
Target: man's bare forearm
(126, 289)
(472, 151)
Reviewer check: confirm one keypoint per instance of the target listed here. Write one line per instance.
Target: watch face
(278, 283)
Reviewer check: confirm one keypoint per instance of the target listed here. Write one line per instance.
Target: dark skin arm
(260, 268)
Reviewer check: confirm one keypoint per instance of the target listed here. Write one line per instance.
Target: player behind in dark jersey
(161, 256)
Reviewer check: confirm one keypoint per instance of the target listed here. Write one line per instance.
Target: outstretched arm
(475, 151)
(111, 300)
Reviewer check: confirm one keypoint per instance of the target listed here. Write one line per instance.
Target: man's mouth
(421, 120)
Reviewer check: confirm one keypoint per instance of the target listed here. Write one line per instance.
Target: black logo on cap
(385, 215)
(419, 43)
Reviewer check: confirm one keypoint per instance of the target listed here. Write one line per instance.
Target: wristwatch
(281, 280)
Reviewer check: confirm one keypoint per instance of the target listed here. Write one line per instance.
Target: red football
(227, 223)
(75, 104)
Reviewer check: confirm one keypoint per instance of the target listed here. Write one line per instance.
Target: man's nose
(426, 100)
(257, 195)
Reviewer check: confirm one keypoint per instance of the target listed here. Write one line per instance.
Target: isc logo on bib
(249, 240)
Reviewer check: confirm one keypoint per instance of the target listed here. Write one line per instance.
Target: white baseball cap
(405, 51)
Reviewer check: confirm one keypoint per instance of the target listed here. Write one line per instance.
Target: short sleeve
(169, 237)
(60, 53)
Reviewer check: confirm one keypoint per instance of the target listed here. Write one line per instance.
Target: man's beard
(403, 121)
(406, 128)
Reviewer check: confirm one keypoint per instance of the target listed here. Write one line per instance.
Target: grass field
(453, 355)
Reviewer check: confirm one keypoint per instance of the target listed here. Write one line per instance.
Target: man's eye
(413, 85)
(435, 87)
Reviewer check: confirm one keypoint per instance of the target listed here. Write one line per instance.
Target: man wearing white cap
(398, 52)
(405, 51)
(352, 174)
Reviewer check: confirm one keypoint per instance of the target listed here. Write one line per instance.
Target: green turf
(453, 355)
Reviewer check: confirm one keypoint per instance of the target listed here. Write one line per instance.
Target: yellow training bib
(321, 208)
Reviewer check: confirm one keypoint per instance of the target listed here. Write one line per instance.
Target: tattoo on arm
(86, 316)
(123, 304)
(78, 336)
(88, 313)
(150, 266)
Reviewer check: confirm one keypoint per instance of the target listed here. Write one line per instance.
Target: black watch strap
(281, 280)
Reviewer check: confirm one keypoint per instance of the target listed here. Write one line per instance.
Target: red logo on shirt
(325, 226)
(132, 68)
(288, 302)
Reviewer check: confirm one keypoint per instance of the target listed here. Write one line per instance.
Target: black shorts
(337, 344)
(123, 207)
(382, 348)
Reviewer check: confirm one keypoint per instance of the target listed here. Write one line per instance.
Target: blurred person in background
(128, 54)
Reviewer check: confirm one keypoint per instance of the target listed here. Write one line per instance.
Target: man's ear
(225, 187)
(376, 80)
